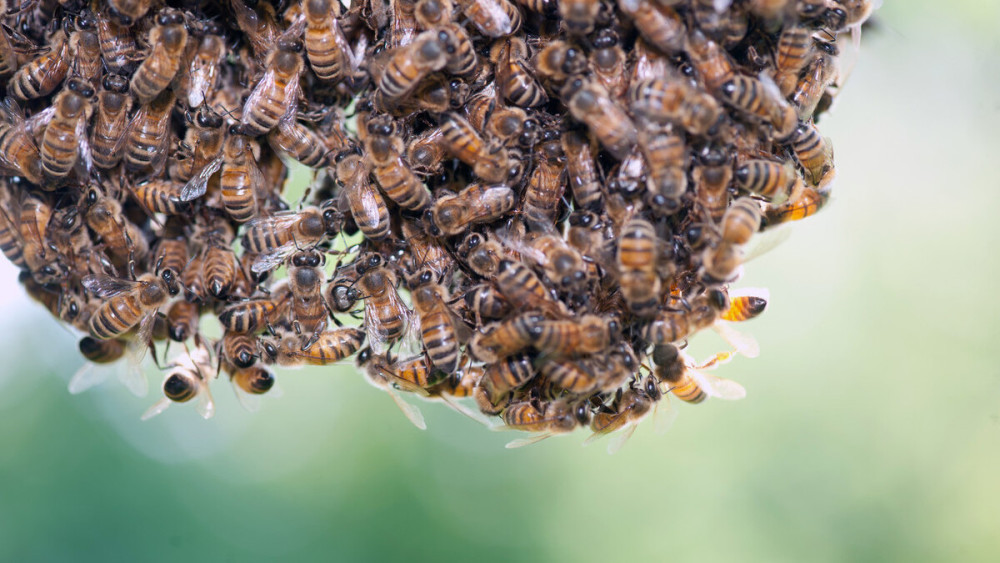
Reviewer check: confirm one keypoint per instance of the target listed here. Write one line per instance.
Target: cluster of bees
(531, 204)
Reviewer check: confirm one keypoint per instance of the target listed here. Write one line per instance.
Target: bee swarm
(533, 205)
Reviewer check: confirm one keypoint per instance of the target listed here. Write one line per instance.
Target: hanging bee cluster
(529, 204)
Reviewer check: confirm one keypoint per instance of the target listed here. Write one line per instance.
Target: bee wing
(521, 442)
(198, 185)
(84, 148)
(718, 387)
(464, 410)
(619, 439)
(411, 411)
(271, 260)
(663, 421)
(89, 375)
(157, 408)
(764, 242)
(205, 405)
(105, 287)
(250, 402)
(12, 112)
(744, 343)
(40, 119)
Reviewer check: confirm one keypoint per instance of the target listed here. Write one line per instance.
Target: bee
(220, 265)
(168, 260)
(426, 252)
(485, 301)
(771, 180)
(148, 134)
(32, 224)
(575, 376)
(438, 330)
(86, 49)
(559, 60)
(182, 320)
(753, 97)
(103, 357)
(276, 95)
(187, 380)
(201, 146)
(480, 254)
(819, 73)
(341, 293)
(545, 186)
(42, 75)
(674, 325)
(712, 176)
(524, 290)
(117, 43)
(462, 58)
(249, 317)
(127, 12)
(493, 18)
(792, 53)
(410, 64)
(657, 23)
(327, 49)
(386, 316)
(514, 80)
(745, 304)
(18, 152)
(127, 304)
(398, 182)
(637, 267)
(489, 161)
(713, 64)
(161, 195)
(426, 152)
(168, 40)
(105, 217)
(200, 81)
(300, 142)
(562, 264)
(453, 214)
(328, 347)
(239, 349)
(276, 236)
(588, 334)
(625, 412)
(364, 201)
(10, 237)
(432, 14)
(579, 16)
(607, 62)
(506, 338)
(663, 101)
(686, 382)
(593, 236)
(305, 278)
(813, 151)
(254, 380)
(381, 374)
(108, 130)
(66, 133)
(192, 280)
(666, 155)
(728, 26)
(559, 417)
(810, 202)
(584, 181)
(589, 103)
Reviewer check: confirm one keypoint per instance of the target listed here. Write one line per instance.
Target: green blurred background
(871, 430)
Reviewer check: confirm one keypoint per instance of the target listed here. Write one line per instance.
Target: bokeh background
(871, 430)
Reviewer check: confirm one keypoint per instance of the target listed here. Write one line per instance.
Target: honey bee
(431, 14)
(99, 354)
(754, 97)
(66, 133)
(10, 236)
(819, 73)
(86, 49)
(104, 216)
(276, 95)
(579, 16)
(584, 181)
(426, 252)
(728, 26)
(771, 180)
(239, 349)
(506, 338)
(205, 67)
(562, 264)
(201, 146)
(714, 65)
(453, 214)
(117, 44)
(182, 320)
(168, 40)
(493, 18)
(248, 317)
(260, 26)
(814, 152)
(712, 176)
(607, 62)
(329, 347)
(559, 60)
(380, 373)
(364, 201)
(480, 254)
(662, 101)
(161, 195)
(686, 381)
(657, 23)
(127, 304)
(8, 56)
(108, 131)
(18, 152)
(220, 265)
(490, 162)
(795, 46)
(590, 103)
(398, 182)
(514, 81)
(637, 267)
(28, 232)
(300, 142)
(42, 75)
(187, 380)
(386, 316)
(438, 330)
(305, 278)
(674, 325)
(593, 236)
(148, 134)
(810, 202)
(559, 417)
(545, 186)
(327, 49)
(128, 12)
(410, 64)
(666, 155)
(588, 334)
(254, 380)
(625, 413)
(462, 58)
(275, 237)
(168, 260)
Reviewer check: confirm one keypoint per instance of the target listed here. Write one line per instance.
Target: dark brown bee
(276, 95)
(437, 324)
(41, 76)
(148, 134)
(590, 103)
(364, 201)
(514, 80)
(478, 203)
(167, 40)
(66, 134)
(183, 318)
(111, 115)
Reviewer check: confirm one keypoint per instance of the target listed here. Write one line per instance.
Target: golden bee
(477, 203)
(589, 102)
(168, 41)
(273, 238)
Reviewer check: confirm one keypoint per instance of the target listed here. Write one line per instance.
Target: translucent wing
(718, 387)
(157, 408)
(411, 411)
(375, 329)
(105, 287)
(764, 242)
(619, 439)
(271, 260)
(84, 148)
(205, 405)
(133, 376)
(744, 343)
(41, 119)
(663, 421)
(256, 97)
(198, 185)
(89, 375)
(521, 442)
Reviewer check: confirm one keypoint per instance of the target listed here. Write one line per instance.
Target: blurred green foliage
(870, 432)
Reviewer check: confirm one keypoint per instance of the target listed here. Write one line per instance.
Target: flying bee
(810, 202)
(188, 379)
(42, 75)
(329, 347)
(300, 142)
(168, 40)
(819, 73)
(559, 60)
(363, 199)
(490, 162)
(493, 18)
(239, 349)
(662, 100)
(453, 214)
(380, 373)
(625, 412)
(813, 151)
(506, 338)
(666, 156)
(182, 320)
(276, 95)
(305, 279)
(201, 146)
(201, 79)
(148, 134)
(560, 417)
(637, 267)
(771, 180)
(590, 103)
(514, 79)
(127, 304)
(657, 23)
(409, 65)
(276, 236)
(546, 185)
(387, 318)
(439, 330)
(117, 44)
(66, 133)
(745, 304)
(394, 176)
(108, 131)
(687, 383)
